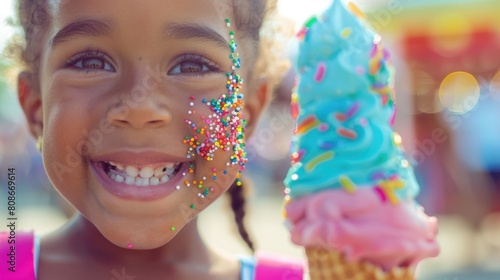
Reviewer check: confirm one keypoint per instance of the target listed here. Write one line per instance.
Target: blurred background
(448, 96)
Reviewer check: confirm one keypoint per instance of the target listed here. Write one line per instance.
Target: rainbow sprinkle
(303, 32)
(320, 72)
(347, 184)
(297, 157)
(347, 133)
(309, 123)
(355, 10)
(340, 117)
(389, 187)
(393, 117)
(353, 110)
(310, 166)
(295, 104)
(378, 56)
(346, 32)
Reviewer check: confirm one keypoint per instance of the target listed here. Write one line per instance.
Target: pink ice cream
(364, 227)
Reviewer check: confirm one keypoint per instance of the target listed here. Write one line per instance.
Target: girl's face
(141, 128)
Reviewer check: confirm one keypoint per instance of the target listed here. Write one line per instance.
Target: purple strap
(273, 267)
(17, 255)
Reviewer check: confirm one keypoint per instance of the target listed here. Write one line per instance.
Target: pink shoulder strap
(272, 267)
(17, 255)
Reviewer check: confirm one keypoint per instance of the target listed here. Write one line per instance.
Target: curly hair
(259, 24)
(254, 18)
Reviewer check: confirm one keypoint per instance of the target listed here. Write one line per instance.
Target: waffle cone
(332, 265)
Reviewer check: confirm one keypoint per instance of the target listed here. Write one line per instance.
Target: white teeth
(164, 179)
(132, 171)
(129, 180)
(141, 182)
(119, 179)
(154, 181)
(159, 172)
(169, 171)
(147, 172)
(147, 176)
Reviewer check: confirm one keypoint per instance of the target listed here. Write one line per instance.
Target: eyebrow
(86, 27)
(96, 28)
(194, 31)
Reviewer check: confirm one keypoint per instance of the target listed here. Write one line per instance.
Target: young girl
(140, 113)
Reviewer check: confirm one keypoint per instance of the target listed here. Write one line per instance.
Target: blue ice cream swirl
(344, 136)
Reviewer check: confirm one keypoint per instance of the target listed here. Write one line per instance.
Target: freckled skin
(134, 101)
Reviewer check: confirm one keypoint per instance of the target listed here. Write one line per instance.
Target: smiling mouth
(149, 175)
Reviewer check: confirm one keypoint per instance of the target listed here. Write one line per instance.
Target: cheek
(66, 122)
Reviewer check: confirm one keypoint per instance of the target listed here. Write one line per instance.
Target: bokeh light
(425, 90)
(495, 83)
(459, 92)
(451, 34)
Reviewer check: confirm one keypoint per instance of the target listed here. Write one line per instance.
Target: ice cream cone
(332, 265)
(351, 183)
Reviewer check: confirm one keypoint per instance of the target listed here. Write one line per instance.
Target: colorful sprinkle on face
(172, 228)
(224, 128)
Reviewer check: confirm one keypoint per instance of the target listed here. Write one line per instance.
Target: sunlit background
(448, 96)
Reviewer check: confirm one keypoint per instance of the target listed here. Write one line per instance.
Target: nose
(145, 113)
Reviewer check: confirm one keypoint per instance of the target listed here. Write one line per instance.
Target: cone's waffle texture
(332, 265)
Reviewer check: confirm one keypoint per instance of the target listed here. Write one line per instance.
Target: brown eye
(193, 64)
(93, 63)
(191, 67)
(90, 61)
